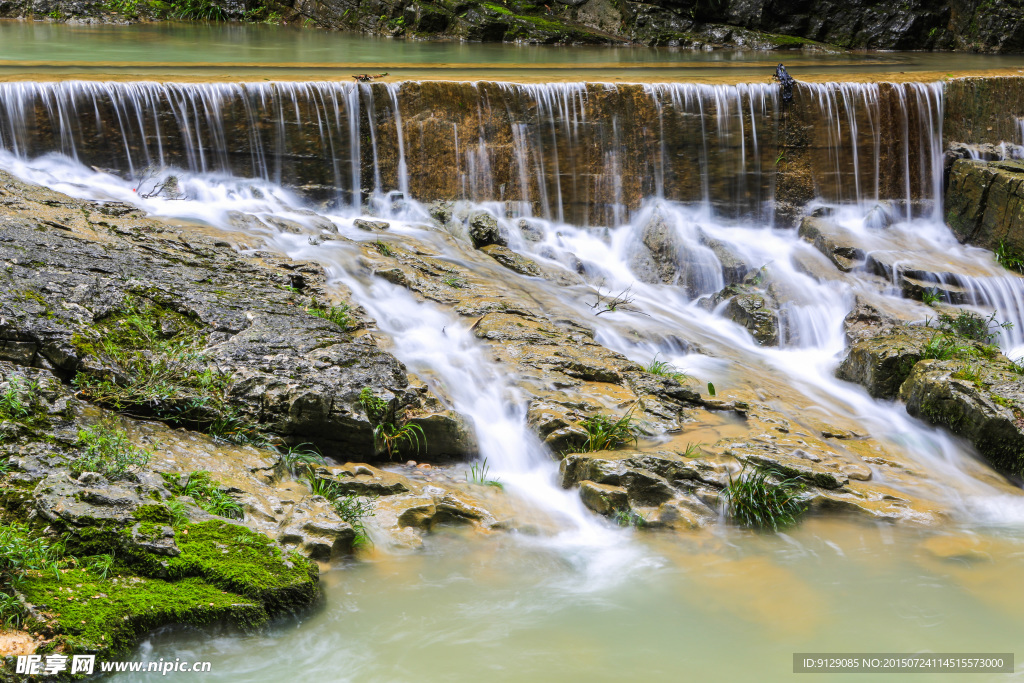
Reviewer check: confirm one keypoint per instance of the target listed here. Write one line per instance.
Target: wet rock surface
(291, 372)
(985, 203)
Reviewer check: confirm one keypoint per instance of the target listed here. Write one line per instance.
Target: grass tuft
(761, 499)
(109, 451)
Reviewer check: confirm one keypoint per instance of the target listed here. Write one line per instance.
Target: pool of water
(720, 606)
(34, 50)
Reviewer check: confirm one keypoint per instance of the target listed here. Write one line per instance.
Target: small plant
(1008, 258)
(206, 493)
(666, 369)
(969, 373)
(931, 296)
(109, 451)
(388, 432)
(479, 473)
(127, 8)
(392, 436)
(629, 518)
(693, 450)
(761, 499)
(374, 406)
(20, 401)
(1017, 366)
(339, 315)
(296, 459)
(454, 281)
(383, 248)
(179, 514)
(22, 552)
(711, 389)
(350, 507)
(605, 433)
(972, 326)
(197, 10)
(12, 612)
(100, 564)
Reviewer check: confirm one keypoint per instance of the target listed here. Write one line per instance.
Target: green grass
(666, 369)
(339, 315)
(297, 459)
(761, 499)
(479, 473)
(1008, 258)
(931, 296)
(693, 450)
(351, 508)
(606, 433)
(157, 369)
(108, 450)
(206, 493)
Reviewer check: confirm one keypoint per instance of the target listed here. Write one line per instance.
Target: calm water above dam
(43, 50)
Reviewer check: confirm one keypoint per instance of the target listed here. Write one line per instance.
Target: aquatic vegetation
(665, 369)
(300, 458)
(383, 248)
(206, 493)
(762, 499)
(454, 281)
(606, 433)
(109, 451)
(339, 315)
(479, 473)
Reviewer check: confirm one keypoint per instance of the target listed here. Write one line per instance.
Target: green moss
(155, 514)
(109, 615)
(496, 8)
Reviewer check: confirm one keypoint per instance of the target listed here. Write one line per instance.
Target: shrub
(206, 493)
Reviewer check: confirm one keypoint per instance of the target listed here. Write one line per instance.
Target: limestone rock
(484, 230)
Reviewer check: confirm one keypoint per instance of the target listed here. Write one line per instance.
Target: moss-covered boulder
(882, 363)
(983, 403)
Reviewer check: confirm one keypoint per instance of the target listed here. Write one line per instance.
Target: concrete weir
(586, 153)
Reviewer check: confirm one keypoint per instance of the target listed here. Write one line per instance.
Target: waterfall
(711, 163)
(586, 154)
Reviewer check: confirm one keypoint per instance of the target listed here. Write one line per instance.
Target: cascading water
(719, 156)
(703, 168)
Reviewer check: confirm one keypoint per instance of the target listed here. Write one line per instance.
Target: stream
(582, 599)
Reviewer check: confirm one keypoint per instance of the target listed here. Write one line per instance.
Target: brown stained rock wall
(980, 110)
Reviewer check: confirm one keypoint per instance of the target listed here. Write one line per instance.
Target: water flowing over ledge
(585, 153)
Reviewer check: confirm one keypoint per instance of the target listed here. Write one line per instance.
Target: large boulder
(985, 203)
(484, 230)
(983, 404)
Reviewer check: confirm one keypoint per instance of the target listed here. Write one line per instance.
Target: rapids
(589, 601)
